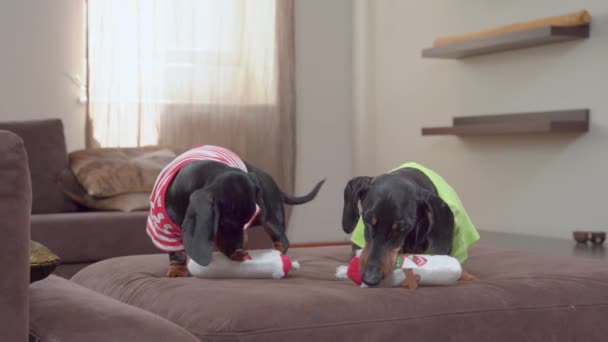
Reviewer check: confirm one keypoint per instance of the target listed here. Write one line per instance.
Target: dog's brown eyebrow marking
(374, 220)
(395, 227)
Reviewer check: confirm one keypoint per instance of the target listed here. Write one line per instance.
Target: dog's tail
(294, 200)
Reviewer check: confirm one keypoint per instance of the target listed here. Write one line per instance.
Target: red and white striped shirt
(166, 234)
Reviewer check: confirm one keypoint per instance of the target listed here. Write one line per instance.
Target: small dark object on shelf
(598, 238)
(581, 237)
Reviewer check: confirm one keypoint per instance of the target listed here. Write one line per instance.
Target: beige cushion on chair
(108, 172)
(128, 202)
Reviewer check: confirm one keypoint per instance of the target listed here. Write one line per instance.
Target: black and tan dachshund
(213, 202)
(402, 212)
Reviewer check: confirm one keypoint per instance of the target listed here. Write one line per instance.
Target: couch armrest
(15, 208)
(92, 236)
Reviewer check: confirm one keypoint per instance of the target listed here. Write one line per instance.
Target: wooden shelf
(563, 121)
(508, 41)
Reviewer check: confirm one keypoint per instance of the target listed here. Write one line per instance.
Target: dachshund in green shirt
(408, 210)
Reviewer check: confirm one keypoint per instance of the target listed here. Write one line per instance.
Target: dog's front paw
(176, 271)
(279, 246)
(411, 280)
(466, 276)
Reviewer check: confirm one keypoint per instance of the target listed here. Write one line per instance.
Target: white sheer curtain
(187, 72)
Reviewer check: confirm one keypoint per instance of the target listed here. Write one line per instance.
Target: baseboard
(319, 244)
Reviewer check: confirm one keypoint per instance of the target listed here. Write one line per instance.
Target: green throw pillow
(42, 261)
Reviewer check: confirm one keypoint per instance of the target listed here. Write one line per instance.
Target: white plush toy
(427, 269)
(261, 264)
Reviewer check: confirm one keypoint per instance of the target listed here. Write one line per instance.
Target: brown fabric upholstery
(92, 236)
(63, 311)
(48, 157)
(85, 237)
(519, 297)
(68, 270)
(15, 206)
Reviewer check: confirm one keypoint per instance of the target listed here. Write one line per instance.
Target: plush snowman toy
(410, 270)
(258, 264)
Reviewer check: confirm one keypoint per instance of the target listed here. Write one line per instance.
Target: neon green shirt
(465, 233)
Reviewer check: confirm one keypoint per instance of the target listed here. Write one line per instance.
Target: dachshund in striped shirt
(206, 199)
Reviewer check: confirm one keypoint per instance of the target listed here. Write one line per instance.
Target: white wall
(324, 115)
(41, 41)
(543, 185)
(364, 119)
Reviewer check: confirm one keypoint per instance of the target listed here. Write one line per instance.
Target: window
(145, 56)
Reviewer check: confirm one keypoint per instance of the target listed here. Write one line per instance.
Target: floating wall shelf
(563, 121)
(508, 41)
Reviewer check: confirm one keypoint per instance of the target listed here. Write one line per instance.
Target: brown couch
(58, 310)
(519, 297)
(79, 237)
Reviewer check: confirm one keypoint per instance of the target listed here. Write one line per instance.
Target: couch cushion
(84, 237)
(63, 311)
(518, 297)
(106, 172)
(67, 271)
(48, 157)
(128, 202)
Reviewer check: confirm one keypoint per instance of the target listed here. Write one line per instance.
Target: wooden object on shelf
(562, 121)
(579, 18)
(508, 41)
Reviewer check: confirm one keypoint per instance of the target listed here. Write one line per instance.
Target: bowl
(580, 236)
(598, 238)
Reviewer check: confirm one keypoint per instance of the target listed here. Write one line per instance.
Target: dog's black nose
(372, 276)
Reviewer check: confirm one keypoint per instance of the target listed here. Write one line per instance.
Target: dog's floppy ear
(436, 224)
(355, 191)
(199, 227)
